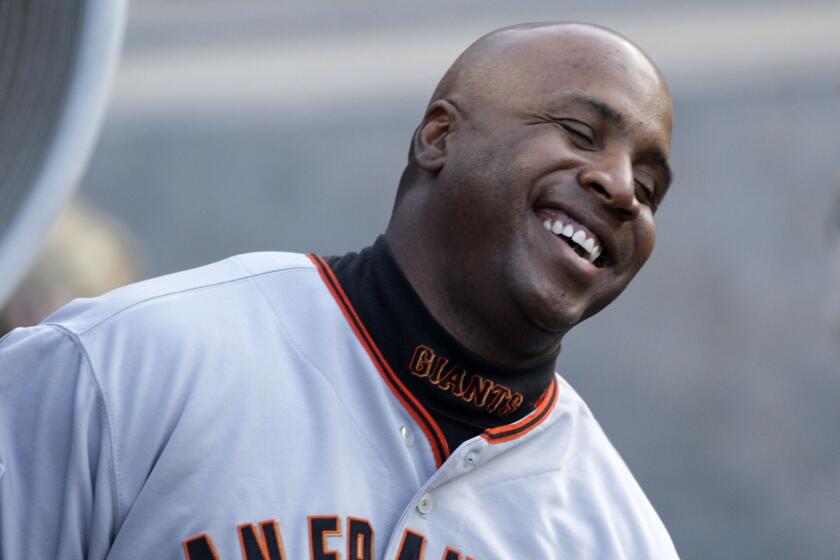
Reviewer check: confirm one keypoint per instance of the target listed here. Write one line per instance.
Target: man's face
(556, 175)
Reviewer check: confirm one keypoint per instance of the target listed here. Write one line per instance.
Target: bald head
(502, 62)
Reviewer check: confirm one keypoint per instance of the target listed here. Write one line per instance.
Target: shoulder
(199, 326)
(604, 488)
(175, 296)
(156, 357)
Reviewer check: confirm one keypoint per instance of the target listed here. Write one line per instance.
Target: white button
(407, 435)
(470, 459)
(425, 504)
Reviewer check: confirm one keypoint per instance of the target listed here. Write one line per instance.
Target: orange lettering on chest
(266, 542)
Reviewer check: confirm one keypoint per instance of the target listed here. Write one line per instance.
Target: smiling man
(396, 403)
(535, 130)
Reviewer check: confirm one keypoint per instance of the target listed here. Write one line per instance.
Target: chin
(555, 313)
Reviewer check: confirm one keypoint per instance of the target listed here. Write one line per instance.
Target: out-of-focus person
(87, 254)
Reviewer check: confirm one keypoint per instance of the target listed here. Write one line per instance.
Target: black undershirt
(464, 393)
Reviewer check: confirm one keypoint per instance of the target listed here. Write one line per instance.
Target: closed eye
(648, 193)
(581, 134)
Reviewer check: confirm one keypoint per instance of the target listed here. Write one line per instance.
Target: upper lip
(590, 221)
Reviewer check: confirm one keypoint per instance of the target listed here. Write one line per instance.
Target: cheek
(544, 151)
(645, 238)
(492, 179)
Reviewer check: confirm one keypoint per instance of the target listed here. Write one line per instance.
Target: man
(397, 403)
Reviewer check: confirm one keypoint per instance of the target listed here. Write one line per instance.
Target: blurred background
(267, 125)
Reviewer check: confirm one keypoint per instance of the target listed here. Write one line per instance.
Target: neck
(488, 326)
(464, 392)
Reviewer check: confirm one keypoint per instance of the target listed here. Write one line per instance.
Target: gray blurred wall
(244, 126)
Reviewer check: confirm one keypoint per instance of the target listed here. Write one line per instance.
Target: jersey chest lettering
(473, 388)
(265, 542)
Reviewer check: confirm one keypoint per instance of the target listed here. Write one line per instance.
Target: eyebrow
(608, 112)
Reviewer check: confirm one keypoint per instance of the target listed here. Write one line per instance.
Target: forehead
(601, 73)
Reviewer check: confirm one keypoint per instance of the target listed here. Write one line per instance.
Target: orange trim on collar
(433, 432)
(521, 427)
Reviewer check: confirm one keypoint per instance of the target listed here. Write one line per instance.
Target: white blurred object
(57, 60)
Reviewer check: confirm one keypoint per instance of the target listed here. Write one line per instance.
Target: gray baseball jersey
(241, 410)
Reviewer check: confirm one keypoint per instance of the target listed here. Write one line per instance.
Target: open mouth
(582, 241)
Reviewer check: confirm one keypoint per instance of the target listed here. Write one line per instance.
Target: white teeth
(587, 243)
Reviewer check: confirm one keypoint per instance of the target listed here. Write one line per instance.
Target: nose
(611, 179)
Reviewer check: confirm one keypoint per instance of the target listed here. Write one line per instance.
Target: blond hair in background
(87, 254)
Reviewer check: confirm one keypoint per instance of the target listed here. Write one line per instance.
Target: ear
(432, 139)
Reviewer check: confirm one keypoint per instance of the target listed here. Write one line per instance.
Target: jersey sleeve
(58, 495)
